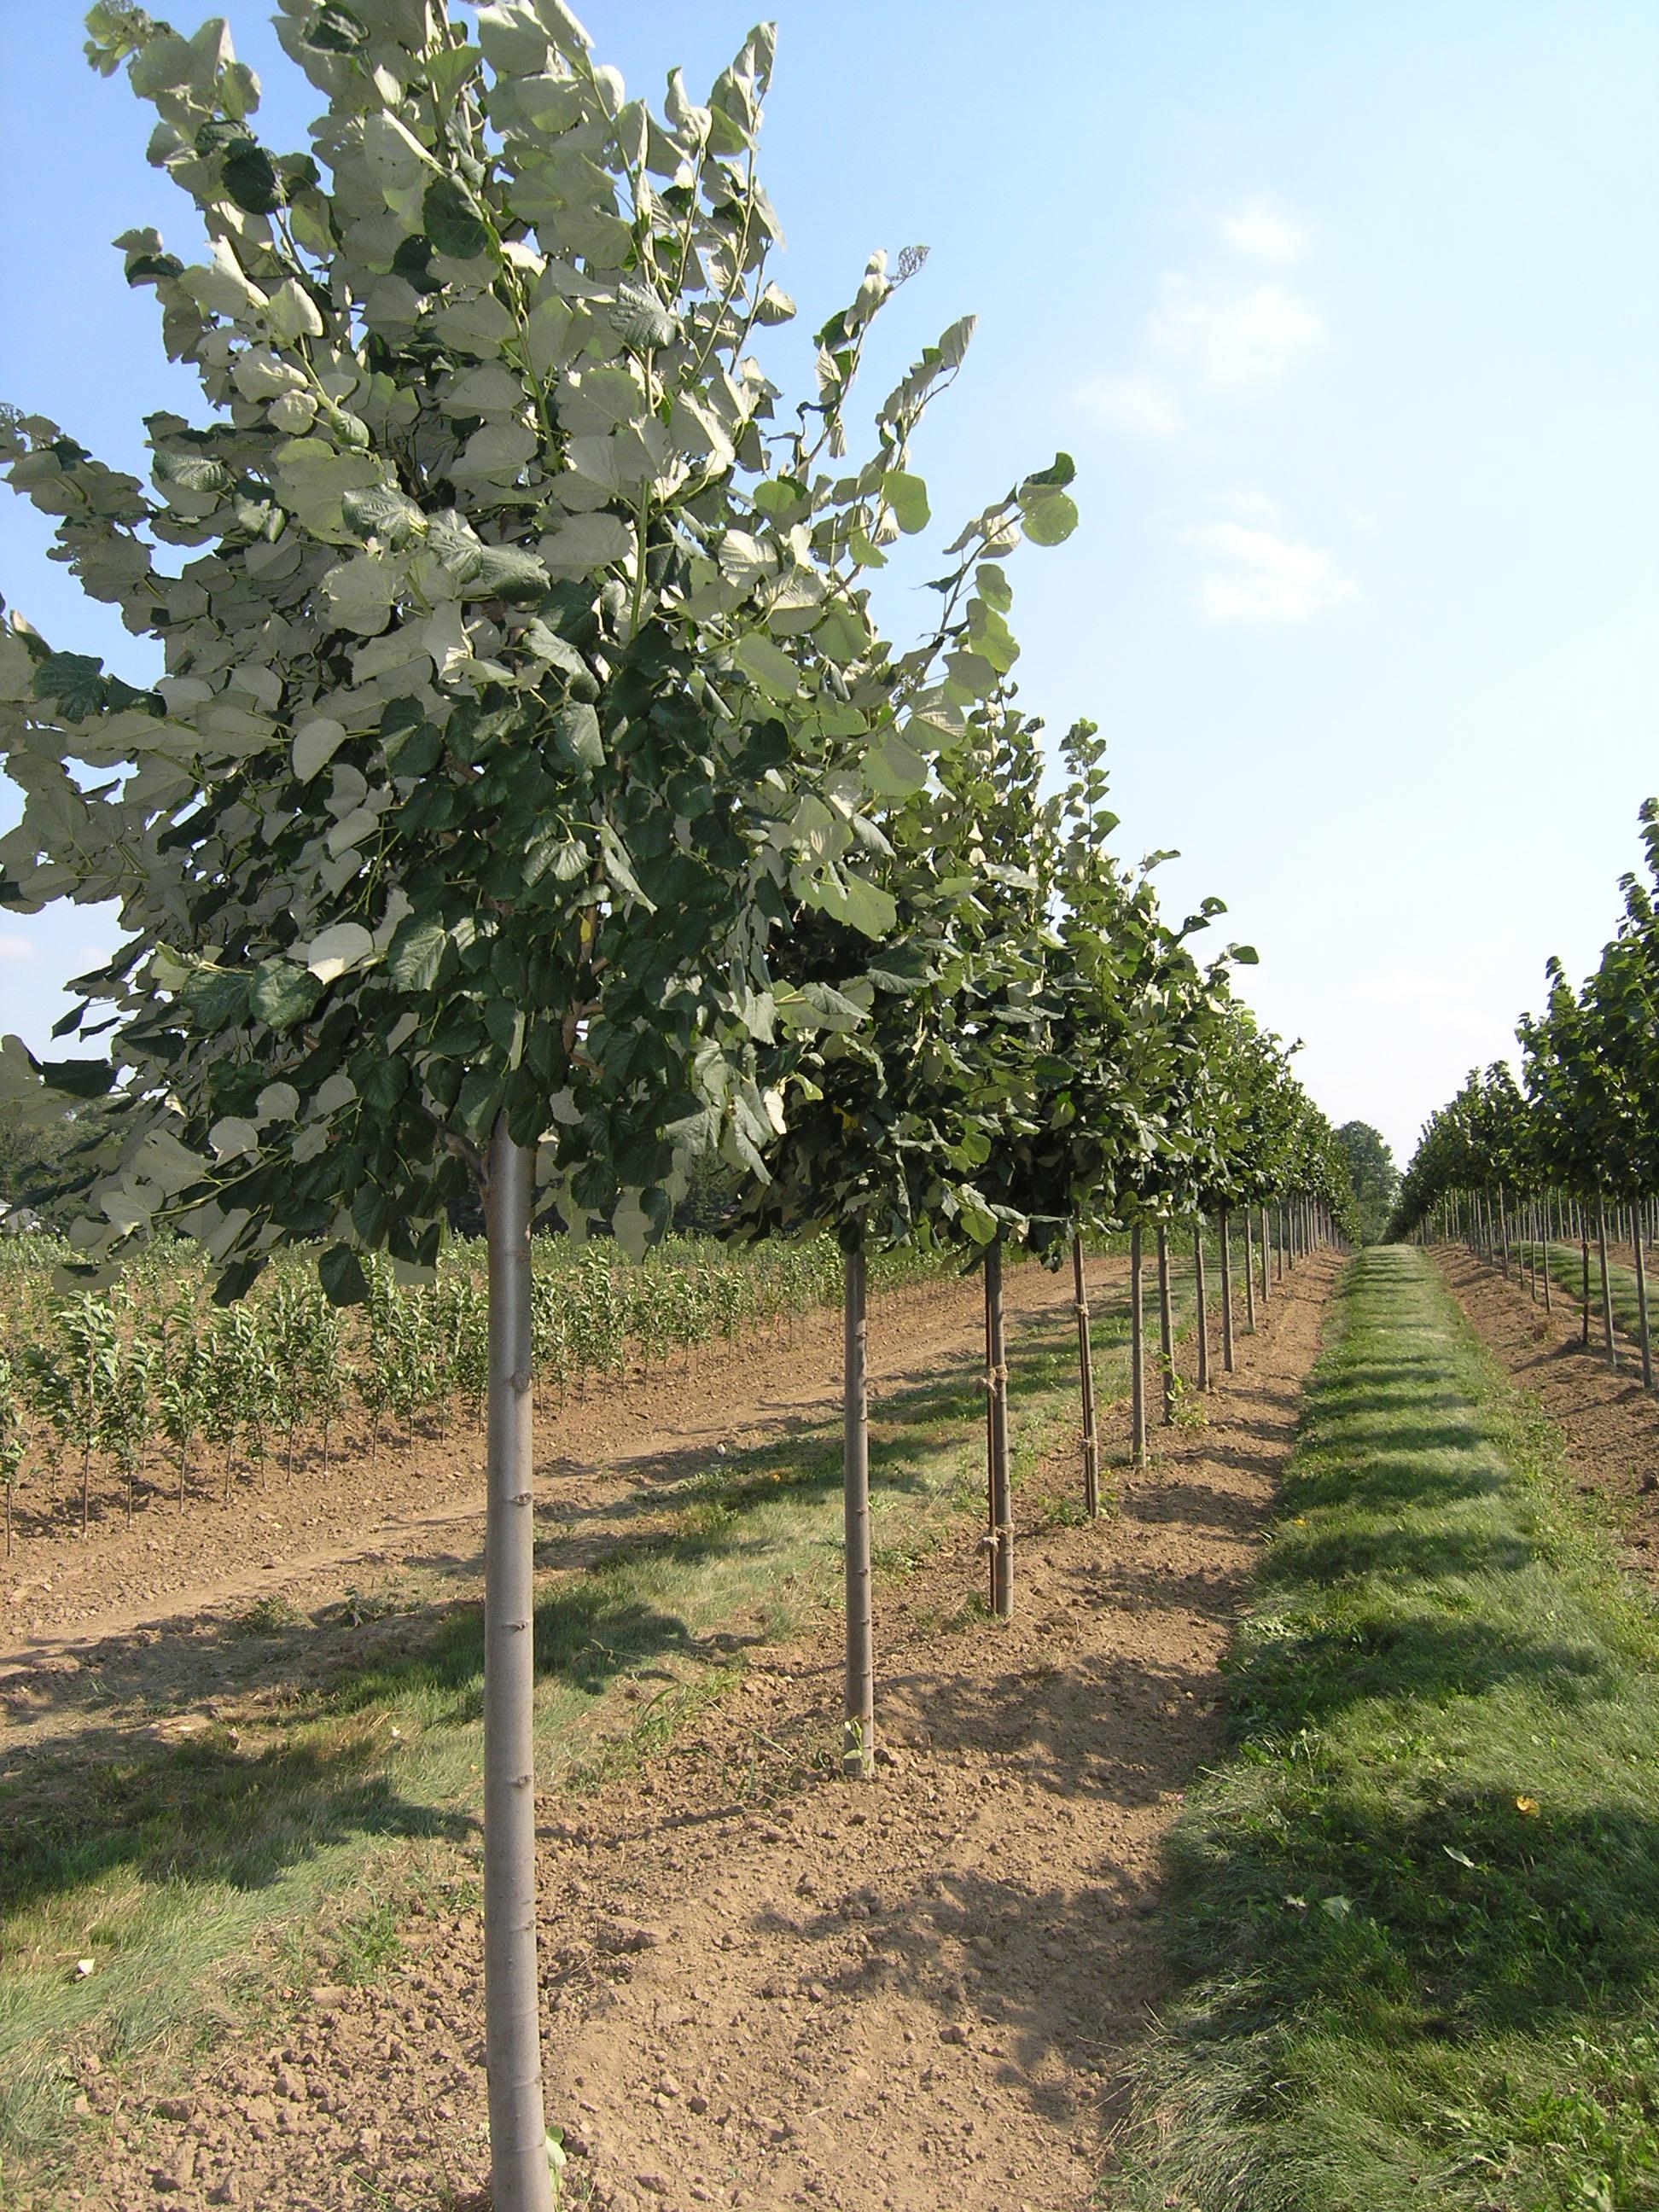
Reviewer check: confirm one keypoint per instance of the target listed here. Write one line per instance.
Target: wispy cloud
(1260, 576)
(16, 949)
(1250, 337)
(1259, 230)
(1133, 403)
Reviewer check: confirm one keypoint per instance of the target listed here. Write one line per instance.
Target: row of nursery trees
(529, 804)
(1571, 1149)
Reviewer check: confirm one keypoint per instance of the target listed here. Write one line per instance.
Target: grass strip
(197, 1874)
(1416, 1909)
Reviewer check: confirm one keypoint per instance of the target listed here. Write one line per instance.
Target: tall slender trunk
(1250, 1276)
(1200, 1292)
(1086, 1370)
(1642, 1311)
(1549, 1247)
(1165, 1324)
(521, 2178)
(1002, 1500)
(857, 1753)
(1137, 1349)
(1584, 1254)
(1606, 1287)
(1503, 1231)
(1266, 1257)
(1225, 1222)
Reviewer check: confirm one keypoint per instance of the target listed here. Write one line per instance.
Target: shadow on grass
(1433, 1868)
(1462, 1917)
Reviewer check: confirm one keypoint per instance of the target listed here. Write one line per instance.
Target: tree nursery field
(716, 1491)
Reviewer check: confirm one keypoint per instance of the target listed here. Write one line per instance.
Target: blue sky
(1349, 317)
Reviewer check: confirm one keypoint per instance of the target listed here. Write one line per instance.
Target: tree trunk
(1199, 1292)
(1584, 1254)
(1137, 1350)
(1606, 1287)
(1165, 1324)
(1642, 1309)
(858, 1754)
(1250, 1276)
(1001, 1501)
(1266, 1258)
(1549, 1247)
(1086, 1369)
(521, 2178)
(1225, 1222)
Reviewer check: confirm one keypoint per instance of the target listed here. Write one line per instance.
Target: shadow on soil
(111, 1794)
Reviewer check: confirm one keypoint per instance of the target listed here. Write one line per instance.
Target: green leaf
(315, 745)
(81, 1079)
(576, 737)
(251, 179)
(506, 572)
(74, 682)
(768, 664)
(335, 29)
(281, 994)
(908, 497)
(417, 955)
(870, 910)
(1049, 517)
(641, 321)
(340, 1273)
(452, 221)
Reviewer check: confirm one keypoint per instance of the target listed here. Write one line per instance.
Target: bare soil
(768, 1986)
(300, 1534)
(1611, 1424)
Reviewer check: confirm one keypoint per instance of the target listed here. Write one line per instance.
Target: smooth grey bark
(1165, 1325)
(1641, 1306)
(1250, 1276)
(521, 2178)
(1266, 1258)
(1001, 1495)
(1606, 1288)
(1200, 1292)
(1584, 1254)
(1137, 1349)
(1086, 1369)
(1226, 1224)
(858, 1755)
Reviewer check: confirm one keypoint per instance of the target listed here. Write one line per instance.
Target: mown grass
(1416, 1909)
(202, 1876)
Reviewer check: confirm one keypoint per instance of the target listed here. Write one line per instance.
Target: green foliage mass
(519, 683)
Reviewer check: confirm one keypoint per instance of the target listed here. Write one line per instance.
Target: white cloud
(1265, 577)
(1133, 403)
(1264, 235)
(13, 948)
(1252, 338)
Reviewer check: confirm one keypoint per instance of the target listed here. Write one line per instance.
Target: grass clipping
(1418, 1908)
